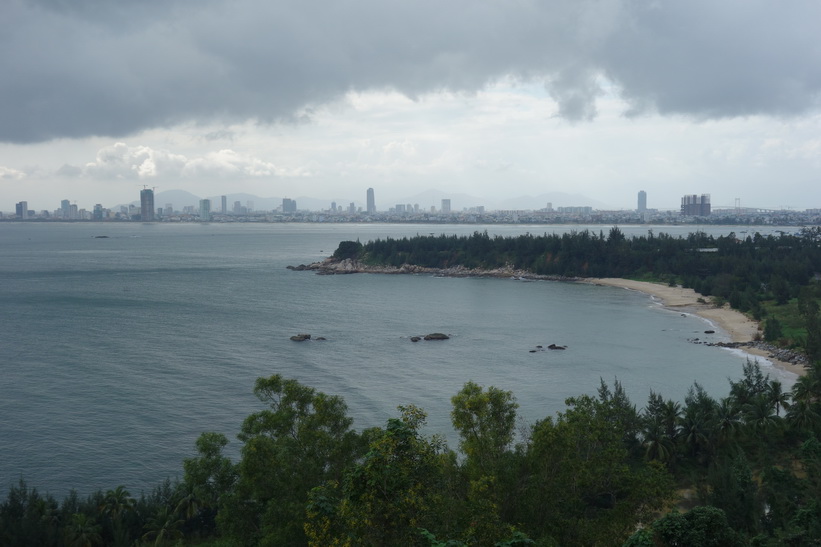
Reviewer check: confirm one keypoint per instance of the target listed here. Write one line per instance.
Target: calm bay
(116, 352)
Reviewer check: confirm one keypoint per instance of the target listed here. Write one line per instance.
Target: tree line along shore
(743, 469)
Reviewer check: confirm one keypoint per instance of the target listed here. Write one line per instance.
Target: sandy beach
(740, 327)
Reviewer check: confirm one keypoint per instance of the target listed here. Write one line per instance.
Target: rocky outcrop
(332, 266)
(773, 352)
(431, 336)
(300, 337)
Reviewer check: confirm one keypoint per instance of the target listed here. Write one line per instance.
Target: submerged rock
(437, 336)
(300, 337)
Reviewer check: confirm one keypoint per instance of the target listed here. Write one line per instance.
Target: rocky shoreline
(773, 352)
(332, 266)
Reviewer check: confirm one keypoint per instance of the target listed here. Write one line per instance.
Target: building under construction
(695, 206)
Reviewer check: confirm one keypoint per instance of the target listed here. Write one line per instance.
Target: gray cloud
(90, 67)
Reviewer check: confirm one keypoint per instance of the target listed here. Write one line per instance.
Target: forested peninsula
(742, 469)
(773, 279)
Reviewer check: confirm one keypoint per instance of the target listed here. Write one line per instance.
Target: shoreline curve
(738, 326)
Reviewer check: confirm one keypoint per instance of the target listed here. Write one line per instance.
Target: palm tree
(727, 420)
(802, 416)
(162, 526)
(657, 444)
(190, 503)
(759, 416)
(807, 388)
(694, 433)
(117, 502)
(778, 397)
(672, 414)
(82, 531)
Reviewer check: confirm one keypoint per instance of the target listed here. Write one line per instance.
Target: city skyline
(433, 202)
(601, 100)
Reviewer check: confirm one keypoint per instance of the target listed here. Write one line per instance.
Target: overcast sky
(494, 98)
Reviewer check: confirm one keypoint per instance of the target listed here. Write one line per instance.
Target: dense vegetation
(741, 470)
(770, 277)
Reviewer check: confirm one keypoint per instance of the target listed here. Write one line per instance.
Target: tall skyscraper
(22, 210)
(224, 208)
(642, 201)
(147, 205)
(288, 205)
(65, 207)
(446, 206)
(205, 210)
(371, 209)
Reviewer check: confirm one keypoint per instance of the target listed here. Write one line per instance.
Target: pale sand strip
(740, 327)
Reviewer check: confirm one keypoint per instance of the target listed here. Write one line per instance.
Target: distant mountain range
(426, 199)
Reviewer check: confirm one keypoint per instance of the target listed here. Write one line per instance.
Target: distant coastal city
(695, 209)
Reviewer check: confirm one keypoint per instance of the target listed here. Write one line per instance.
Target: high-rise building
(205, 210)
(642, 206)
(695, 206)
(147, 205)
(237, 208)
(288, 205)
(224, 205)
(371, 209)
(446, 206)
(98, 212)
(65, 207)
(21, 209)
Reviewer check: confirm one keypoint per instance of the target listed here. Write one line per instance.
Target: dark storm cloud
(93, 67)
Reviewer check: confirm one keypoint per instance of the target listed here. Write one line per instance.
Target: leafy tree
(386, 498)
(585, 489)
(207, 479)
(302, 440)
(733, 490)
(485, 421)
(348, 249)
(703, 526)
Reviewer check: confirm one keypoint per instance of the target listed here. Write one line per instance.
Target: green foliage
(348, 249)
(390, 494)
(303, 439)
(485, 422)
(597, 473)
(702, 526)
(586, 488)
(772, 329)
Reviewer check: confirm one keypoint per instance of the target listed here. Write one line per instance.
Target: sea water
(116, 352)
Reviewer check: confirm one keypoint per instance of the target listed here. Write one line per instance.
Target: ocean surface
(117, 352)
